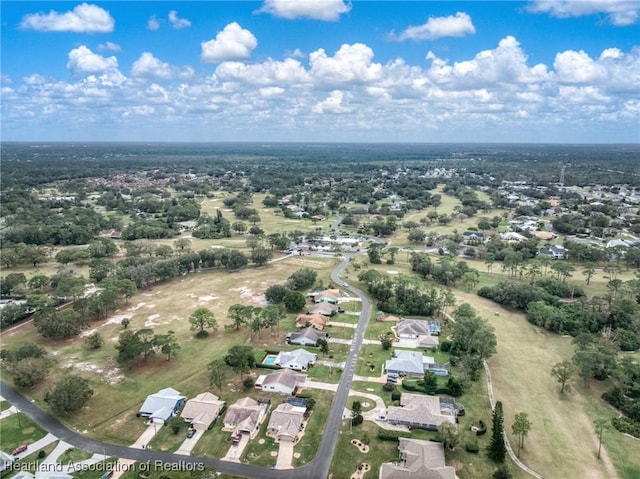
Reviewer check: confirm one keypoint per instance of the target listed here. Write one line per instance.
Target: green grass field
(18, 429)
(162, 307)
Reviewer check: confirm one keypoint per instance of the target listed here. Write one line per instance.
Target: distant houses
(553, 252)
(161, 406)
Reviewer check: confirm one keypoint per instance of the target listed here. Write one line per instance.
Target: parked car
(19, 449)
(235, 439)
(191, 432)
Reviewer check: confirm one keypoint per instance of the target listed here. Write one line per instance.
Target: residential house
(323, 308)
(420, 411)
(418, 460)
(473, 237)
(427, 342)
(283, 381)
(202, 410)
(161, 406)
(413, 328)
(286, 422)
(616, 243)
(414, 364)
(306, 337)
(245, 415)
(425, 332)
(512, 237)
(317, 321)
(298, 360)
(553, 252)
(113, 234)
(327, 296)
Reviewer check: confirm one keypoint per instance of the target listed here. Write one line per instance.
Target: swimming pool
(270, 359)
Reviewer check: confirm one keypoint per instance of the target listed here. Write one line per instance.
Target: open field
(164, 307)
(561, 426)
(527, 351)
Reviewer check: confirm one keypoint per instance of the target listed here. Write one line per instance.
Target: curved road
(318, 468)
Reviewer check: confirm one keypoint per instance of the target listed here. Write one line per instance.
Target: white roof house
(162, 405)
(298, 359)
(411, 363)
(283, 381)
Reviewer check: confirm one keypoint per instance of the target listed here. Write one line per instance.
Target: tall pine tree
(497, 449)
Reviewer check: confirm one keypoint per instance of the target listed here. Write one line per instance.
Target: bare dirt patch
(112, 375)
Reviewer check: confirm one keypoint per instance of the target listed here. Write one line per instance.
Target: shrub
(248, 382)
(626, 426)
(472, 447)
(445, 346)
(41, 454)
(357, 420)
(395, 395)
(388, 387)
(455, 387)
(386, 435)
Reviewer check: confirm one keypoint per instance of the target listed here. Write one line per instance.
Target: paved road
(318, 468)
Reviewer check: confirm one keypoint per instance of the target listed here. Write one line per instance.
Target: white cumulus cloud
(83, 18)
(351, 63)
(289, 71)
(326, 10)
(332, 104)
(457, 25)
(232, 43)
(83, 60)
(177, 22)
(505, 64)
(148, 66)
(577, 67)
(618, 12)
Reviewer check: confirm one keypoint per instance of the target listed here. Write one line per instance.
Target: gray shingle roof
(420, 460)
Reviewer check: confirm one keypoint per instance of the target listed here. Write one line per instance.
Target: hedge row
(626, 426)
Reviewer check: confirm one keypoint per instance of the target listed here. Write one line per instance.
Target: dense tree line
(404, 295)
(445, 271)
(618, 314)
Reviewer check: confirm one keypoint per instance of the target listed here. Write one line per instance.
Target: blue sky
(321, 70)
